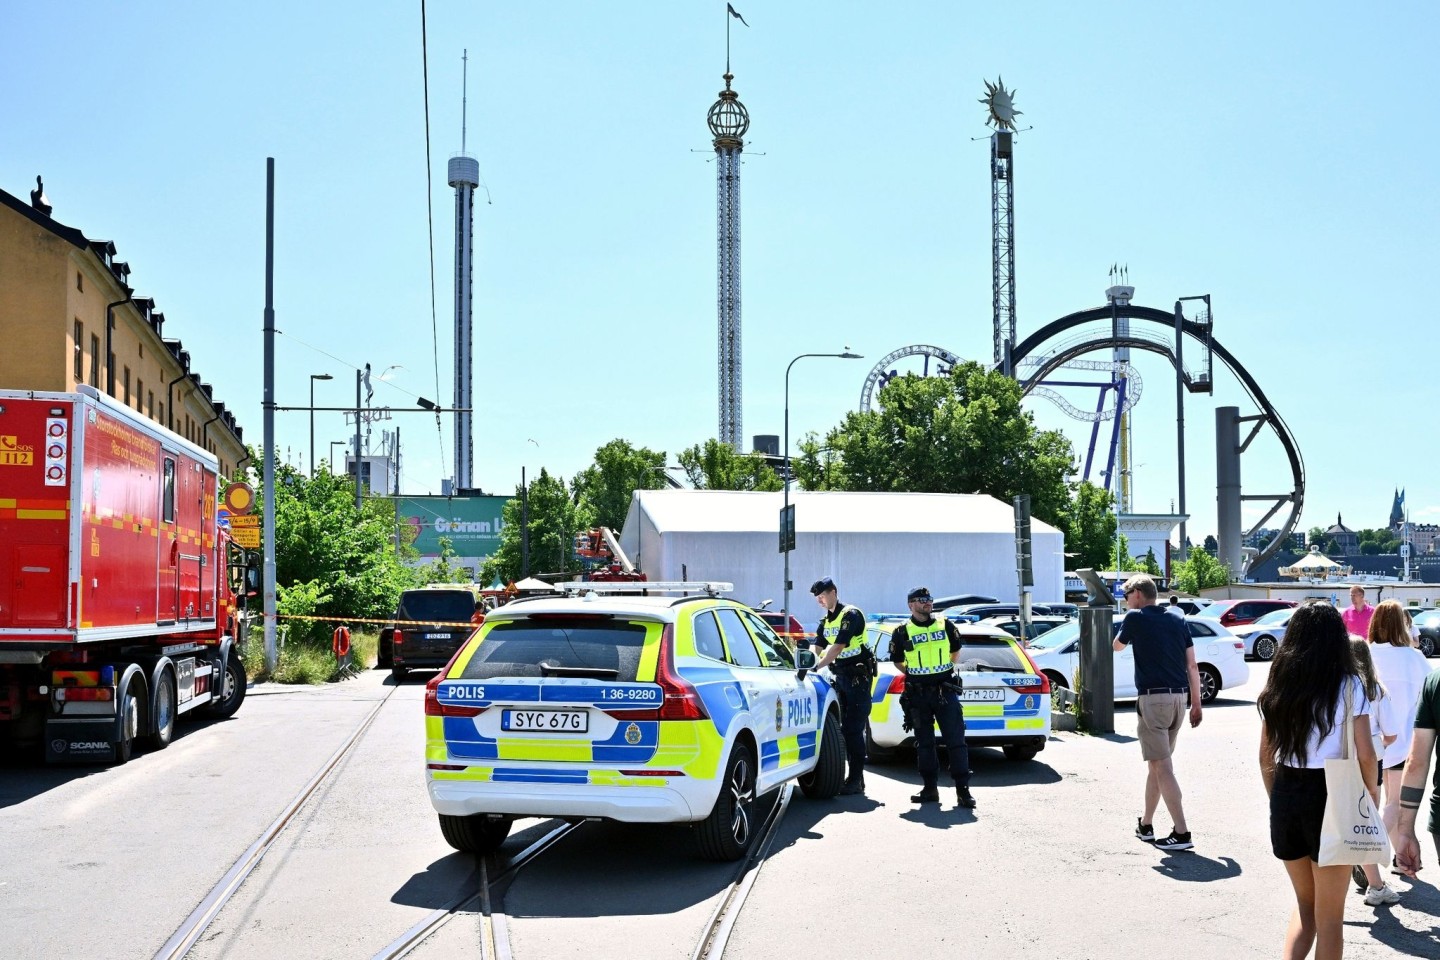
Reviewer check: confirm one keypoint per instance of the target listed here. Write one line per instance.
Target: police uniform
(854, 670)
(926, 651)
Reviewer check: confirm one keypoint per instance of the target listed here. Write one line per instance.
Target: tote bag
(1351, 832)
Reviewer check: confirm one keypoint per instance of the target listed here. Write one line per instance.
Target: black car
(430, 625)
(960, 600)
(984, 611)
(1428, 623)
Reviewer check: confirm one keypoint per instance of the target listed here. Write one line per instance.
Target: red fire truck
(117, 600)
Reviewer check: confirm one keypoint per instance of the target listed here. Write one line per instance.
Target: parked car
(1005, 700)
(1038, 625)
(788, 628)
(1262, 638)
(984, 611)
(1233, 613)
(960, 600)
(430, 624)
(1428, 623)
(1219, 654)
(1067, 610)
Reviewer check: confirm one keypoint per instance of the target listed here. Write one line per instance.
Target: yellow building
(57, 289)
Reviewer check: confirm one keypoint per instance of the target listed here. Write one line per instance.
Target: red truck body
(110, 556)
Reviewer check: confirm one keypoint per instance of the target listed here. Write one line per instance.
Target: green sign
(471, 524)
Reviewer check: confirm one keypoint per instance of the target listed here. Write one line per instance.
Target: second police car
(642, 709)
(1005, 699)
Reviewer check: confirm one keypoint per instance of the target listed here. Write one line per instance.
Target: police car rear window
(445, 606)
(986, 654)
(598, 649)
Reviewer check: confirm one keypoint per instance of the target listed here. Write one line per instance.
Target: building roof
(1339, 528)
(729, 511)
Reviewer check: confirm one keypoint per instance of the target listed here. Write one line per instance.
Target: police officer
(926, 649)
(842, 636)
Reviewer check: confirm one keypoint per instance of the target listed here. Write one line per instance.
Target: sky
(1278, 157)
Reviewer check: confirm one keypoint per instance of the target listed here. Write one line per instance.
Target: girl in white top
(1384, 729)
(1302, 710)
(1402, 668)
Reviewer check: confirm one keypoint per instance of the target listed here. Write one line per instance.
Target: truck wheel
(384, 651)
(825, 780)
(163, 708)
(129, 722)
(729, 831)
(475, 834)
(231, 693)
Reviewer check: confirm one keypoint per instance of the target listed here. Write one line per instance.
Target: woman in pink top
(1357, 617)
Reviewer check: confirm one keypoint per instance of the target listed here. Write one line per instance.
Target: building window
(161, 418)
(94, 360)
(142, 351)
(150, 404)
(79, 351)
(79, 281)
(139, 392)
(126, 384)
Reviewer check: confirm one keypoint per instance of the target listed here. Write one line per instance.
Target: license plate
(546, 721)
(437, 636)
(982, 695)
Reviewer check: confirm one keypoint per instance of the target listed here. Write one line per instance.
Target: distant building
(1422, 536)
(55, 287)
(1346, 539)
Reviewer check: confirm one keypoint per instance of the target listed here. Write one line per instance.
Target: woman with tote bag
(1314, 709)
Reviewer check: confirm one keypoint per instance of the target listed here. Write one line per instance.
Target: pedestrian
(1175, 607)
(1412, 784)
(842, 635)
(1302, 709)
(1402, 668)
(1165, 675)
(1357, 615)
(926, 648)
(1384, 730)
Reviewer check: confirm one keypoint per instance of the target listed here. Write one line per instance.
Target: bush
(305, 660)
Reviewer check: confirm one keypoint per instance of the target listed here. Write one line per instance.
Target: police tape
(387, 622)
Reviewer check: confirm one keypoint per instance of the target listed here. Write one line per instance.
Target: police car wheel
(729, 831)
(873, 751)
(825, 780)
(475, 834)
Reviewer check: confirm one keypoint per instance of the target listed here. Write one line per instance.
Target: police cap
(919, 593)
(821, 585)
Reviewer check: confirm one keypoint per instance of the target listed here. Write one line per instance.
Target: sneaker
(963, 798)
(1144, 831)
(1175, 841)
(930, 794)
(1395, 868)
(1381, 895)
(1357, 873)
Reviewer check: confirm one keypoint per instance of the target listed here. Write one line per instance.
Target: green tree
(1201, 570)
(1316, 535)
(442, 570)
(1089, 527)
(1148, 563)
(965, 433)
(1212, 546)
(346, 560)
(607, 485)
(555, 519)
(1331, 548)
(716, 466)
(1119, 557)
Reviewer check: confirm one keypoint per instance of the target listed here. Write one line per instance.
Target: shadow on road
(1388, 926)
(988, 768)
(1195, 868)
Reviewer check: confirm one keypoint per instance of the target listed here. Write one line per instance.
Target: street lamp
(313, 378)
(786, 517)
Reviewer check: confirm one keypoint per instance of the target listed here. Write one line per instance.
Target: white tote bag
(1351, 832)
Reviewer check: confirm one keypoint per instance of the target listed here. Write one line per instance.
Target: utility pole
(269, 404)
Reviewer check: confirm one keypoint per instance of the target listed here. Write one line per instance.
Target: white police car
(643, 709)
(1006, 701)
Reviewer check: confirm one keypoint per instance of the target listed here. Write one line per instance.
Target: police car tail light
(433, 706)
(681, 700)
(897, 685)
(1043, 679)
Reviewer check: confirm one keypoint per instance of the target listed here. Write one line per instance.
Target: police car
(1006, 700)
(641, 709)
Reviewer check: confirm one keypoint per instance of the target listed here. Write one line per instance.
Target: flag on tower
(734, 13)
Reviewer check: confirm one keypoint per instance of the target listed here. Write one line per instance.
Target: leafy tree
(1119, 558)
(619, 470)
(1201, 570)
(1331, 548)
(441, 570)
(555, 519)
(1212, 546)
(1148, 563)
(965, 433)
(1089, 527)
(716, 466)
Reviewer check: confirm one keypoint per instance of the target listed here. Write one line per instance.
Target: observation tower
(464, 176)
(728, 120)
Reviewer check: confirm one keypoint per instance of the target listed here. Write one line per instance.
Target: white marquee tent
(876, 546)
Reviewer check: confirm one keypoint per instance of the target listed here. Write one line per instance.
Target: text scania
(457, 525)
(799, 713)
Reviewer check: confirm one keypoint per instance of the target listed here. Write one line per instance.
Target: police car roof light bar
(710, 587)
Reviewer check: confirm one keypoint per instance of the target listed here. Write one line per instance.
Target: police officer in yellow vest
(926, 649)
(842, 636)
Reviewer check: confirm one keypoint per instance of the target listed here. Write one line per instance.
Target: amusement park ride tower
(464, 176)
(728, 122)
(1001, 104)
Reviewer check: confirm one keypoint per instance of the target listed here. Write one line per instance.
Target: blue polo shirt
(1159, 642)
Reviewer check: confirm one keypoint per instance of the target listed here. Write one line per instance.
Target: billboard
(471, 524)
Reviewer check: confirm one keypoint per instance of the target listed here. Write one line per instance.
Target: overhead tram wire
(430, 219)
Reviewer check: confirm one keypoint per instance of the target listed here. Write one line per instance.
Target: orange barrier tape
(387, 622)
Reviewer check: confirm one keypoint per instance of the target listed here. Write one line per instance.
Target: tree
(1119, 558)
(555, 518)
(1089, 527)
(1331, 548)
(965, 433)
(1316, 535)
(1212, 546)
(1201, 570)
(1148, 563)
(716, 466)
(607, 485)
(441, 570)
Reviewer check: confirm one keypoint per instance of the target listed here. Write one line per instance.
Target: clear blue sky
(1279, 157)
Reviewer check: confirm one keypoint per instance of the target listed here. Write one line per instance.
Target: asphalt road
(1046, 866)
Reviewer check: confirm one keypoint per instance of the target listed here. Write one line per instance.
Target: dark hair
(1306, 679)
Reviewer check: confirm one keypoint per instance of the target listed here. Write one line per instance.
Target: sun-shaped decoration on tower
(728, 118)
(1002, 105)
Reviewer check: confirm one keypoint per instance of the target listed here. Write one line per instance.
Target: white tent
(876, 546)
(1315, 565)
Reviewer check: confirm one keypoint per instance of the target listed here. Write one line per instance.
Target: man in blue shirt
(1165, 676)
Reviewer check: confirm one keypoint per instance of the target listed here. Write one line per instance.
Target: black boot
(929, 794)
(855, 786)
(963, 797)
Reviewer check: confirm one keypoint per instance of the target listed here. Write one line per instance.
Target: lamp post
(785, 514)
(313, 378)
